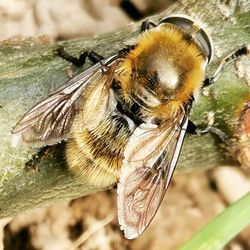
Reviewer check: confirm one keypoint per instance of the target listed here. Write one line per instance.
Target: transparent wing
(150, 159)
(50, 121)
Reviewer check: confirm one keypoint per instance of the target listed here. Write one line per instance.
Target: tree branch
(30, 71)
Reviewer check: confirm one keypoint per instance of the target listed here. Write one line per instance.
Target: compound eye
(199, 35)
(205, 43)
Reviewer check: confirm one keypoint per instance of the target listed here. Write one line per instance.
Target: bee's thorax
(161, 73)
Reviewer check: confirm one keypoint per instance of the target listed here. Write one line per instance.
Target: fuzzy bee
(125, 118)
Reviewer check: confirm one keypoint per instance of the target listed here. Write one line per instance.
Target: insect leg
(92, 56)
(36, 158)
(146, 25)
(245, 50)
(124, 51)
(192, 129)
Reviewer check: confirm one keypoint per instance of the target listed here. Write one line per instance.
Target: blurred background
(91, 222)
(62, 19)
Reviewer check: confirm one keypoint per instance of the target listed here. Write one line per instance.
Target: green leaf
(222, 228)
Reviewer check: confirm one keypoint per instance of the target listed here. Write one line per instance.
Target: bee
(125, 118)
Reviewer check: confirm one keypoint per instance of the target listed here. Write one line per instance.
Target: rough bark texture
(29, 72)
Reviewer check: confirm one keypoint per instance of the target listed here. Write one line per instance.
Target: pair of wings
(150, 155)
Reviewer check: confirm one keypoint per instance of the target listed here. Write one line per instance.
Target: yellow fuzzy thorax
(167, 43)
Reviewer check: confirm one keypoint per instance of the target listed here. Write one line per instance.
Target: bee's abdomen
(96, 155)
